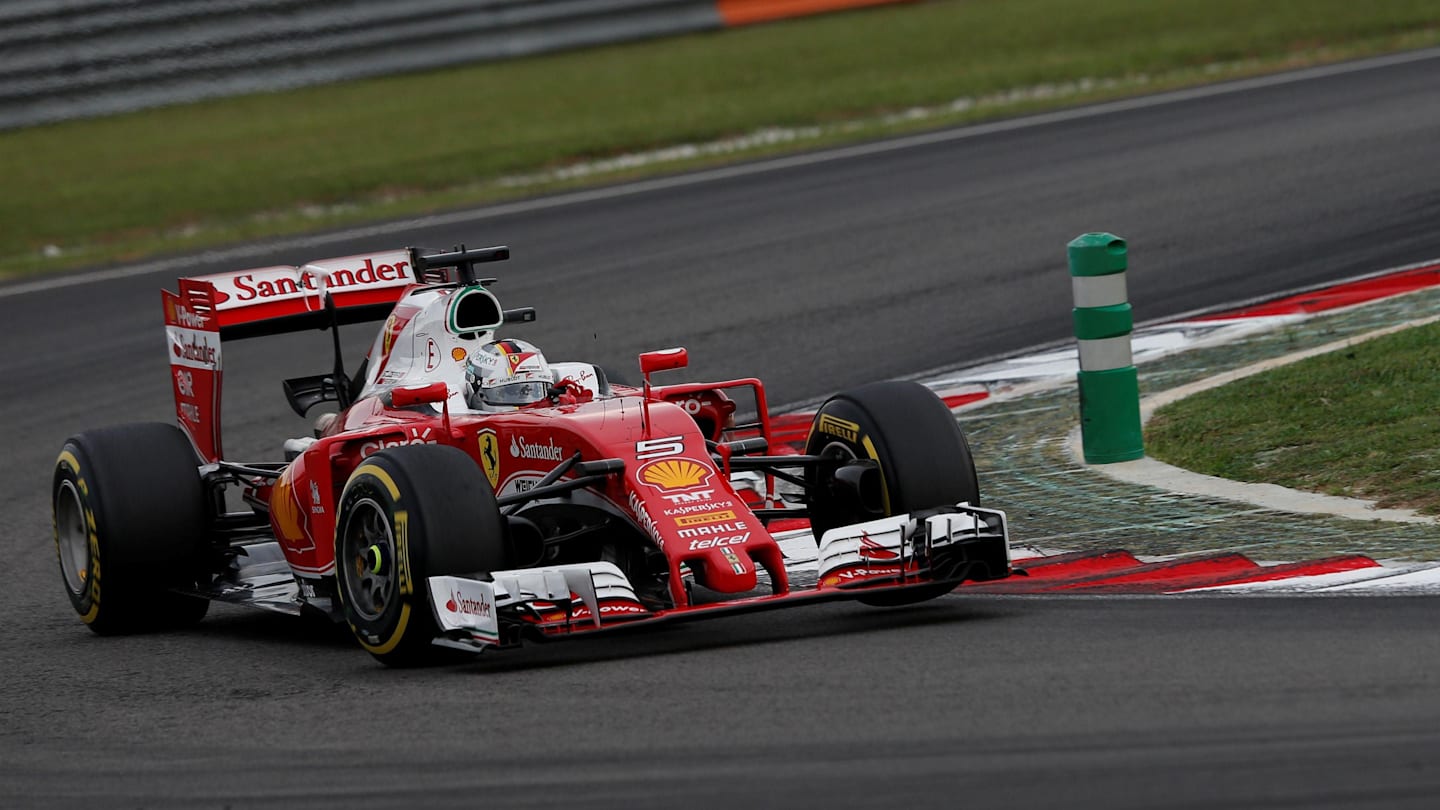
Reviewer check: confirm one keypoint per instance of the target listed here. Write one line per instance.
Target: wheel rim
(836, 511)
(838, 450)
(72, 538)
(367, 559)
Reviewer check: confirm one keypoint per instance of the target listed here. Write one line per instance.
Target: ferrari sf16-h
(465, 493)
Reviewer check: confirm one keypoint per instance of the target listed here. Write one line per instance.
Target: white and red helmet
(507, 373)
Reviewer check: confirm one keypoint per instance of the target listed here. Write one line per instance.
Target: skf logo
(490, 456)
(673, 474)
(834, 426)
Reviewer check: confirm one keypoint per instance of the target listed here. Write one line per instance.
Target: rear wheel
(407, 514)
(130, 526)
(921, 456)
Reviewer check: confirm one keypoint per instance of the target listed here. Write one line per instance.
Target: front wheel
(130, 527)
(920, 455)
(407, 514)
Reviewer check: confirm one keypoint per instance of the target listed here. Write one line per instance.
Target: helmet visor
(516, 393)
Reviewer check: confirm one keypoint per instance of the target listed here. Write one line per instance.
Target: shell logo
(391, 331)
(287, 516)
(675, 473)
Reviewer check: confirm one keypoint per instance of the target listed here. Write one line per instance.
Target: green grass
(173, 179)
(1362, 423)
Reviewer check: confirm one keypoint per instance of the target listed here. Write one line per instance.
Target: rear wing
(280, 299)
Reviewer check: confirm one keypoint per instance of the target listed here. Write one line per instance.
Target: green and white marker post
(1109, 384)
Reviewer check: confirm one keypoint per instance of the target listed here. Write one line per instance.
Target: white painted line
(241, 252)
(1306, 584)
(1199, 315)
(1424, 579)
(1150, 343)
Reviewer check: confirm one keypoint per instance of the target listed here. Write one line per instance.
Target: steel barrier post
(1109, 384)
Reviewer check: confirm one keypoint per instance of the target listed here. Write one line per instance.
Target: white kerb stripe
(1099, 291)
(1105, 354)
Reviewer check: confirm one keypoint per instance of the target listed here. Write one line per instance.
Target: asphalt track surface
(814, 277)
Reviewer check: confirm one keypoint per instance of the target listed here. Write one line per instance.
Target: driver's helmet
(507, 373)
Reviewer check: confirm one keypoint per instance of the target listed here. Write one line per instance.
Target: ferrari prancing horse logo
(490, 455)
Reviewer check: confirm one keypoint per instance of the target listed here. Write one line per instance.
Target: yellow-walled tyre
(407, 514)
(130, 526)
(923, 459)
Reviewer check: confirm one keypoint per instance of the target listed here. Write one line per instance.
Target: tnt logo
(690, 497)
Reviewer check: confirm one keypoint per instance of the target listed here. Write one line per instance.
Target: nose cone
(727, 569)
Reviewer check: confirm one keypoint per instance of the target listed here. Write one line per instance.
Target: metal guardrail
(78, 58)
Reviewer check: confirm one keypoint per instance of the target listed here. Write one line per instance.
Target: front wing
(892, 555)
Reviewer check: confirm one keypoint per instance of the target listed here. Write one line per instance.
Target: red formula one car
(471, 494)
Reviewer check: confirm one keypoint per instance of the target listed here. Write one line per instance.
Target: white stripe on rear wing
(268, 293)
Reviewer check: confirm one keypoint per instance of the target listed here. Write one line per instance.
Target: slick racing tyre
(923, 459)
(407, 514)
(130, 526)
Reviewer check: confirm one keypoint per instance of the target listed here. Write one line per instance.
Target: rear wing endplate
(280, 299)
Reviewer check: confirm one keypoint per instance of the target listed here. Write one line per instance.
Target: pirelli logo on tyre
(835, 426)
(700, 520)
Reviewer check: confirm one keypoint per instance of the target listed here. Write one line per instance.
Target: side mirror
(660, 360)
(519, 315)
(663, 360)
(419, 395)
